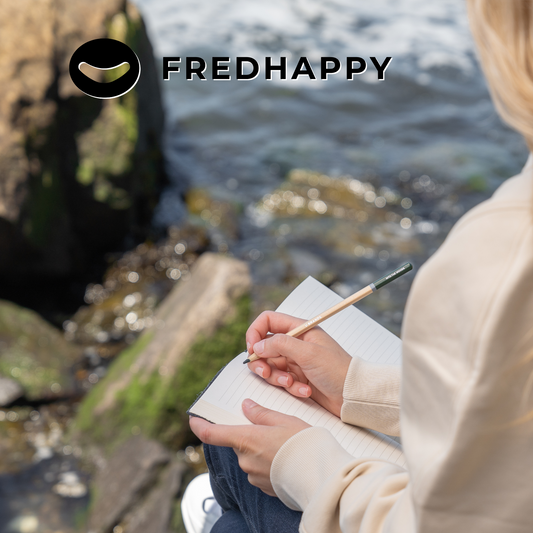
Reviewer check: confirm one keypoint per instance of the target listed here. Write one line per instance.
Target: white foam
(430, 33)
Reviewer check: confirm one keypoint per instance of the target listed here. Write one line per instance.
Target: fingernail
(248, 404)
(304, 391)
(283, 380)
(248, 344)
(259, 347)
(259, 371)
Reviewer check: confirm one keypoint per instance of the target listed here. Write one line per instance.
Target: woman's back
(467, 335)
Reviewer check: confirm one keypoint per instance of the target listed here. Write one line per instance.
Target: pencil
(359, 295)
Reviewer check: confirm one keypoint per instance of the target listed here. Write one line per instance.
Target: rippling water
(431, 119)
(433, 106)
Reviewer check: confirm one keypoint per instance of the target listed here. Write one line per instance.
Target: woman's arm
(338, 492)
(371, 396)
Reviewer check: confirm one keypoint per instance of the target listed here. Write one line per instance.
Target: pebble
(10, 391)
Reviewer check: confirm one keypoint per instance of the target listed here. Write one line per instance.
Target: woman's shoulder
(509, 206)
(518, 188)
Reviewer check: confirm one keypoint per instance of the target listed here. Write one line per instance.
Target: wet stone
(35, 354)
(130, 472)
(154, 513)
(123, 304)
(9, 391)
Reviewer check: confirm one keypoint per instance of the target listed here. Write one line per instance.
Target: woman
(466, 404)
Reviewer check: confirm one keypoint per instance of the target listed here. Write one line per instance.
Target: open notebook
(353, 330)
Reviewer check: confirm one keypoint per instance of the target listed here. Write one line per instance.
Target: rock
(9, 391)
(155, 512)
(198, 328)
(129, 474)
(34, 353)
(78, 174)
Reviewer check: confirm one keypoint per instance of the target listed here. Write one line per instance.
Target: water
(431, 119)
(433, 101)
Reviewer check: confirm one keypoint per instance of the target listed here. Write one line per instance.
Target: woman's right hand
(312, 365)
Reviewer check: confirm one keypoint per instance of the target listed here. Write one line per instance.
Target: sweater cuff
(372, 396)
(293, 481)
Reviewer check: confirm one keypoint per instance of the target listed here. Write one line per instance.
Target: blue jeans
(247, 509)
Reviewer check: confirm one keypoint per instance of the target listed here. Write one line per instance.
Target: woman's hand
(255, 446)
(313, 365)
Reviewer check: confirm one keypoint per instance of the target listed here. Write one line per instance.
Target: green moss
(154, 405)
(81, 518)
(106, 151)
(206, 357)
(85, 419)
(33, 352)
(45, 203)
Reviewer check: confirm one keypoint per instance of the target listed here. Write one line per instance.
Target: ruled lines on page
(222, 403)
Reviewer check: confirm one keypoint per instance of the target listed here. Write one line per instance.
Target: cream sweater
(467, 330)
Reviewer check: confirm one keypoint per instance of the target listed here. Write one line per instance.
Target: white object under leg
(199, 509)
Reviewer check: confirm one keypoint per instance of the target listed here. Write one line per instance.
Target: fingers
(262, 416)
(296, 350)
(216, 434)
(270, 321)
(292, 380)
(235, 436)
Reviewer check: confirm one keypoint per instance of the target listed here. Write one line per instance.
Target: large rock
(34, 354)
(155, 512)
(198, 328)
(135, 487)
(76, 174)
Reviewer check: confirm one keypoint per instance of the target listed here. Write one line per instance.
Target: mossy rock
(88, 173)
(34, 353)
(151, 384)
(156, 407)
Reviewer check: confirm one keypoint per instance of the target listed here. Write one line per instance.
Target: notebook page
(221, 402)
(356, 332)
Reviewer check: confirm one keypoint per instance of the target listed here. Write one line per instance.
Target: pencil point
(246, 361)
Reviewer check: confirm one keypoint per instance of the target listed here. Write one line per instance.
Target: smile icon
(104, 54)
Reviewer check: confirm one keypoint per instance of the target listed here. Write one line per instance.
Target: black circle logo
(104, 54)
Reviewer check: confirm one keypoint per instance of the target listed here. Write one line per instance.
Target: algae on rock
(34, 353)
(80, 174)
(150, 386)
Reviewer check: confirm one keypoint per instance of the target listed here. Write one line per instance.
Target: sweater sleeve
(371, 396)
(341, 493)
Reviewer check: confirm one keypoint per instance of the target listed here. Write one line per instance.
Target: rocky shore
(108, 328)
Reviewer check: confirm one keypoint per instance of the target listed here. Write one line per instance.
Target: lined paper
(357, 333)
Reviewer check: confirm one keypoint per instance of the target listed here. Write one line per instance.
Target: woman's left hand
(255, 445)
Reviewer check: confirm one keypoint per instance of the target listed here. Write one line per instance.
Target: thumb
(261, 415)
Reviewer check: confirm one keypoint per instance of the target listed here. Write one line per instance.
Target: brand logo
(220, 68)
(105, 54)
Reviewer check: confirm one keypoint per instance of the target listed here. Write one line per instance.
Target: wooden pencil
(359, 295)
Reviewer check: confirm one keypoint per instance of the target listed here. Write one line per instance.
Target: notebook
(356, 332)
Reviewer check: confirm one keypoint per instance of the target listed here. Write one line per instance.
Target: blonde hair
(503, 30)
